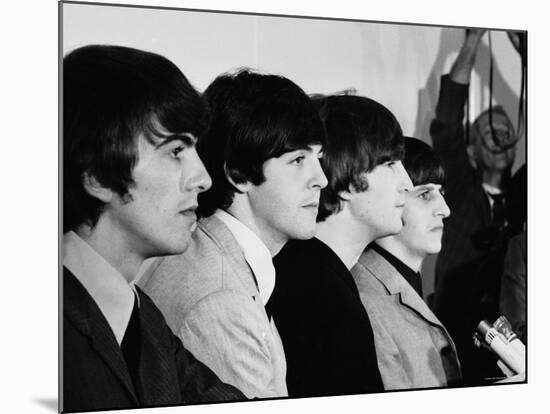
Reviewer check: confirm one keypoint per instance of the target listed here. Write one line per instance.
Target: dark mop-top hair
(112, 95)
(254, 117)
(361, 134)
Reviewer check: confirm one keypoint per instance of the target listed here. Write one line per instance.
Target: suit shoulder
(364, 274)
(371, 289)
(186, 278)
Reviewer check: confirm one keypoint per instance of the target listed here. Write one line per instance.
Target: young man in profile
(325, 330)
(262, 150)
(131, 177)
(413, 348)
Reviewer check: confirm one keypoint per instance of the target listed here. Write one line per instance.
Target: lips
(191, 209)
(400, 202)
(190, 212)
(314, 205)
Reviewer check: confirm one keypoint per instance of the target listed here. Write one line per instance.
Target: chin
(433, 249)
(501, 165)
(396, 228)
(390, 232)
(177, 247)
(304, 233)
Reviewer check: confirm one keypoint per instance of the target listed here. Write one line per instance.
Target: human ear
(237, 180)
(96, 189)
(345, 195)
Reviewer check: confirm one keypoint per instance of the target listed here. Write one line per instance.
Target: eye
(390, 163)
(425, 195)
(298, 160)
(176, 151)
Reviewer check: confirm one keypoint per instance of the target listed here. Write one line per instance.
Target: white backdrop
(398, 65)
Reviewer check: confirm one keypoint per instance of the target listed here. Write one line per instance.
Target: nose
(318, 179)
(194, 174)
(442, 209)
(404, 183)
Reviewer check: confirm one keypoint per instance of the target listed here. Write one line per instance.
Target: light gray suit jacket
(413, 348)
(209, 298)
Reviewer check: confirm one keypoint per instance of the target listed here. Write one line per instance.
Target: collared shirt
(490, 191)
(255, 252)
(410, 275)
(107, 287)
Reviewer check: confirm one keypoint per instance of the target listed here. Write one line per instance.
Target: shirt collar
(412, 277)
(108, 288)
(489, 189)
(255, 252)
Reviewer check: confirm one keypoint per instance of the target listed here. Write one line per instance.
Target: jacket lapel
(221, 234)
(396, 284)
(83, 312)
(157, 371)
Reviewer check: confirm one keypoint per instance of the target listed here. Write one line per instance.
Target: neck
(344, 236)
(106, 243)
(393, 245)
(240, 209)
(493, 178)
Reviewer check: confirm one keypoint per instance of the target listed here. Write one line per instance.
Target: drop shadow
(49, 403)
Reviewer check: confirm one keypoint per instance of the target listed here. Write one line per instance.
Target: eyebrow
(429, 186)
(291, 151)
(186, 138)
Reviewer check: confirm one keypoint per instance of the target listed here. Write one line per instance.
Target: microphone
(503, 326)
(505, 344)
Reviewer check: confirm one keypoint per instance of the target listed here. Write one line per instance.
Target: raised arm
(447, 129)
(464, 63)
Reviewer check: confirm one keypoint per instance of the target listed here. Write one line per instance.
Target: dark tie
(499, 211)
(131, 343)
(417, 285)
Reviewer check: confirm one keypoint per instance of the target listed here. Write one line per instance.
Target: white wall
(398, 65)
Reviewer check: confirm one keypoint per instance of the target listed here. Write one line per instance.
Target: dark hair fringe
(361, 134)
(111, 95)
(254, 117)
(422, 164)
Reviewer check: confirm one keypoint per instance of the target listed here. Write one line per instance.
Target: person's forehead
(164, 137)
(426, 187)
(311, 148)
(315, 148)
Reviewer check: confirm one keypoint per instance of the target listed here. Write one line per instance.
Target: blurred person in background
(470, 264)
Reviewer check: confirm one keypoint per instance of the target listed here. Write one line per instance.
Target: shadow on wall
(450, 41)
(503, 94)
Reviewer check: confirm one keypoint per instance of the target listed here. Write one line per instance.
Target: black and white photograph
(291, 208)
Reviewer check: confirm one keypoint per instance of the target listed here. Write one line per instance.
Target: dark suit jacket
(513, 292)
(470, 263)
(95, 374)
(326, 332)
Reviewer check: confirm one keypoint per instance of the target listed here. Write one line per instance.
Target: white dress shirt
(489, 191)
(255, 252)
(107, 287)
